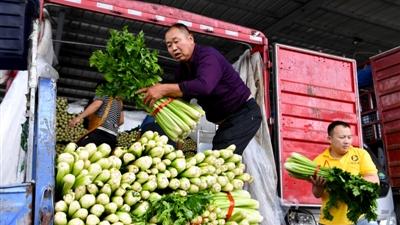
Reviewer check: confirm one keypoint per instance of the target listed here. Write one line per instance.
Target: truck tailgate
(313, 89)
(16, 204)
(386, 76)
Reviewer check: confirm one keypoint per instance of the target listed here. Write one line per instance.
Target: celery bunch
(359, 195)
(128, 65)
(177, 118)
(244, 209)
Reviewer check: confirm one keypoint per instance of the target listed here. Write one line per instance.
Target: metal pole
(33, 80)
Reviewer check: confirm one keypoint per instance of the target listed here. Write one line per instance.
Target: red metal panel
(386, 76)
(166, 16)
(313, 89)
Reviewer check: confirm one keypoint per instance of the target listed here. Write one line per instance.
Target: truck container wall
(313, 89)
(42, 206)
(16, 204)
(386, 77)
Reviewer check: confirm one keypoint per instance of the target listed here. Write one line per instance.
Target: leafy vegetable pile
(177, 209)
(151, 183)
(359, 194)
(205, 208)
(128, 65)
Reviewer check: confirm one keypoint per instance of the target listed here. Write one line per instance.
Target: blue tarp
(364, 77)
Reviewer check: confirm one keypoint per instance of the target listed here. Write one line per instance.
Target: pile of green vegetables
(151, 183)
(128, 65)
(359, 195)
(65, 133)
(205, 208)
(125, 138)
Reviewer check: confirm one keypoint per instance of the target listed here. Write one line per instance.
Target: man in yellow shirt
(343, 155)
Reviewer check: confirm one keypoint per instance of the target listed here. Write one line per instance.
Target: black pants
(98, 137)
(239, 128)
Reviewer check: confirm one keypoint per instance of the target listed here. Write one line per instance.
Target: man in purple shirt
(206, 75)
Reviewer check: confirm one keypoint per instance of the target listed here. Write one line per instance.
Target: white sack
(12, 116)
(258, 155)
(132, 119)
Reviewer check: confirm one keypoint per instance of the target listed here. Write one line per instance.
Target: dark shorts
(239, 128)
(98, 137)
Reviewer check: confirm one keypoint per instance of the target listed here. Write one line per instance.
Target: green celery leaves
(127, 65)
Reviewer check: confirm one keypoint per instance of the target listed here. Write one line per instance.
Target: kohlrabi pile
(151, 183)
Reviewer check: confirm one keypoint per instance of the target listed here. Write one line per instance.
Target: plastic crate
(365, 102)
(371, 133)
(369, 118)
(15, 27)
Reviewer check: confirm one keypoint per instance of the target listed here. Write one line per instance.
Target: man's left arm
(368, 169)
(371, 177)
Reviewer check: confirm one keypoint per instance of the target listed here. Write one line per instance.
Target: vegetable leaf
(174, 209)
(359, 195)
(127, 65)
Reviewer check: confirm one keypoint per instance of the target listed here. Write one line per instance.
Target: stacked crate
(369, 116)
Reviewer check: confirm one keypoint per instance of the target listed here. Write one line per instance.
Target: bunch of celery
(240, 209)
(359, 194)
(128, 65)
(177, 118)
(98, 186)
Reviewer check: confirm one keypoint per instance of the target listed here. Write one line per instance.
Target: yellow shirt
(355, 161)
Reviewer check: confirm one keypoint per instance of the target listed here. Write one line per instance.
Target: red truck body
(386, 78)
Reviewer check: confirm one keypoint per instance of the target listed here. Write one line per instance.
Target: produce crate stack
(369, 117)
(152, 183)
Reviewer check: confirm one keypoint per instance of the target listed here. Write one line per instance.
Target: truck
(379, 98)
(302, 91)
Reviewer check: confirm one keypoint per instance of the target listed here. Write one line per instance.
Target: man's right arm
(157, 91)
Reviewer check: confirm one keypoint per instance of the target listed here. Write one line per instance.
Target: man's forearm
(371, 178)
(171, 90)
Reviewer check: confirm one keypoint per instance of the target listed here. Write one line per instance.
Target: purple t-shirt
(211, 79)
